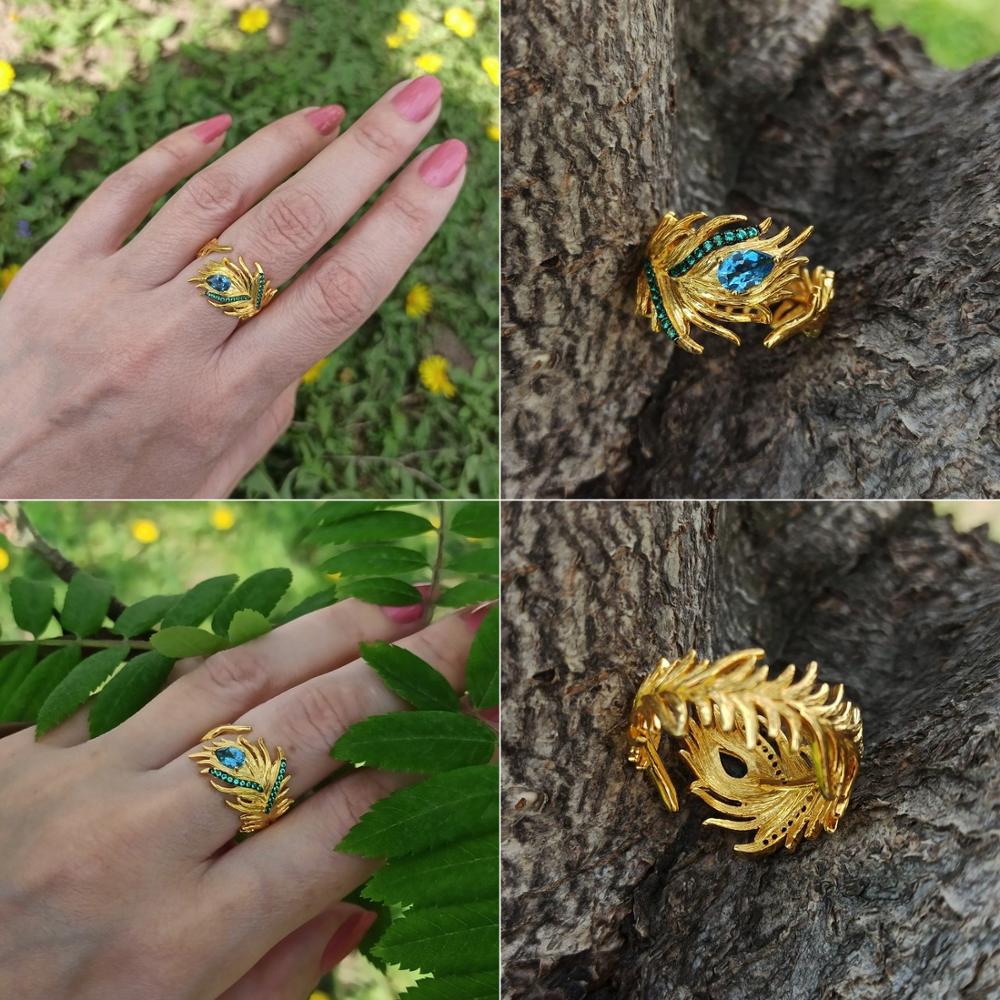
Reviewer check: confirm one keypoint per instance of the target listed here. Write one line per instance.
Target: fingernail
(326, 119)
(444, 164)
(474, 616)
(212, 128)
(348, 936)
(416, 100)
(407, 614)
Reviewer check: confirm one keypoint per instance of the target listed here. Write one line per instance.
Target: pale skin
(118, 871)
(118, 378)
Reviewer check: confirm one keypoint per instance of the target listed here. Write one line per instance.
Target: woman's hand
(119, 378)
(118, 873)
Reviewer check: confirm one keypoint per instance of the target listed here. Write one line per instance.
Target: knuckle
(127, 183)
(409, 216)
(318, 718)
(294, 219)
(376, 139)
(239, 673)
(215, 192)
(341, 296)
(174, 149)
(357, 797)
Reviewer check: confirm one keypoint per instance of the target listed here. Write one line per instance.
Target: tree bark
(608, 895)
(614, 113)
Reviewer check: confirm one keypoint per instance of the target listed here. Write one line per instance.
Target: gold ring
(258, 784)
(233, 288)
(795, 746)
(725, 271)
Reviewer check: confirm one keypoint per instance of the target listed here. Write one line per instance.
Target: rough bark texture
(608, 895)
(614, 113)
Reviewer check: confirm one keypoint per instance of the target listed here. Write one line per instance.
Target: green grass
(100, 80)
(955, 33)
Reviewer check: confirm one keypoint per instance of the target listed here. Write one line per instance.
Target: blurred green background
(85, 85)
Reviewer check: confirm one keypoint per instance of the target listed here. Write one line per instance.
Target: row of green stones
(238, 782)
(276, 787)
(216, 297)
(726, 238)
(260, 289)
(654, 290)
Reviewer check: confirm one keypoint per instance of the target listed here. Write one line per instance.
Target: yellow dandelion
(493, 132)
(7, 276)
(4, 559)
(429, 62)
(491, 65)
(434, 375)
(418, 301)
(314, 372)
(254, 19)
(145, 531)
(459, 20)
(7, 76)
(394, 41)
(409, 23)
(222, 518)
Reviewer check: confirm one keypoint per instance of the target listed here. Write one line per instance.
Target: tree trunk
(615, 113)
(608, 895)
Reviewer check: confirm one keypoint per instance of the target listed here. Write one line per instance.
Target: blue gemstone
(219, 282)
(744, 269)
(232, 757)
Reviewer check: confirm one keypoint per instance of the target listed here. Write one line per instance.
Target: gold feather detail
(234, 288)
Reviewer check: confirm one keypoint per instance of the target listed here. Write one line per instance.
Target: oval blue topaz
(744, 269)
(219, 282)
(232, 757)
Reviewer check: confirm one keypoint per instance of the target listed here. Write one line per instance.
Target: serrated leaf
(460, 872)
(440, 810)
(39, 681)
(199, 602)
(483, 665)
(184, 640)
(247, 625)
(413, 679)
(479, 986)
(77, 686)
(375, 526)
(140, 617)
(86, 604)
(483, 559)
(136, 683)
(479, 519)
(321, 599)
(383, 590)
(14, 667)
(340, 510)
(417, 742)
(374, 561)
(32, 602)
(443, 939)
(259, 592)
(469, 592)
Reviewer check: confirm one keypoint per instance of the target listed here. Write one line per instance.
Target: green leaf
(479, 519)
(417, 742)
(444, 808)
(483, 559)
(260, 592)
(39, 681)
(31, 602)
(483, 666)
(457, 873)
(140, 617)
(184, 640)
(136, 683)
(470, 592)
(247, 625)
(478, 986)
(322, 599)
(413, 679)
(86, 604)
(382, 590)
(444, 939)
(340, 510)
(375, 561)
(77, 686)
(199, 602)
(375, 526)
(14, 667)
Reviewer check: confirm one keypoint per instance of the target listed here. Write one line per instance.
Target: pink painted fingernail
(407, 614)
(445, 163)
(326, 119)
(212, 128)
(417, 100)
(474, 616)
(347, 937)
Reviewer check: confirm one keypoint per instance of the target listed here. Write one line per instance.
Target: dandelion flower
(394, 41)
(434, 375)
(429, 62)
(314, 372)
(459, 20)
(491, 65)
(222, 519)
(254, 19)
(7, 76)
(409, 23)
(145, 531)
(4, 559)
(493, 132)
(7, 276)
(418, 301)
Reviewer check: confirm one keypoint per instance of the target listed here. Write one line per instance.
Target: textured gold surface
(791, 299)
(249, 291)
(799, 742)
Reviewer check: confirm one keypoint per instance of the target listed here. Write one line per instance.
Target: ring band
(726, 271)
(233, 288)
(798, 744)
(258, 784)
